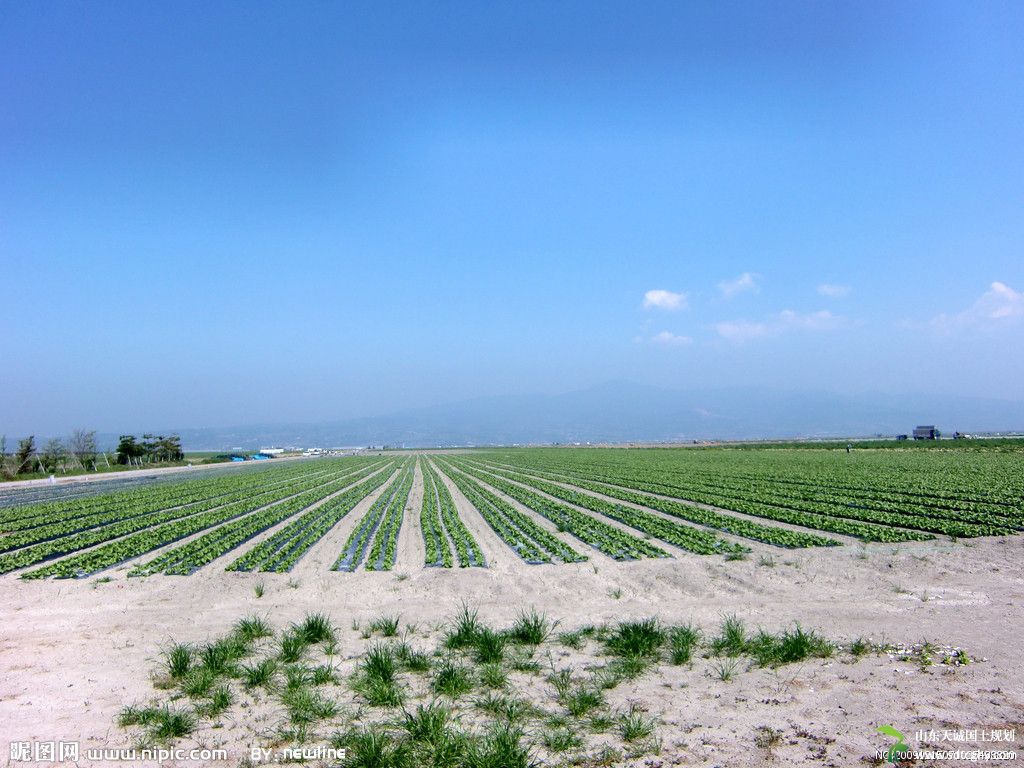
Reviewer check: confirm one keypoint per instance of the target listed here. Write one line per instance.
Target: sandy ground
(73, 653)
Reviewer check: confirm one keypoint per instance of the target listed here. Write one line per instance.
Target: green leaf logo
(892, 755)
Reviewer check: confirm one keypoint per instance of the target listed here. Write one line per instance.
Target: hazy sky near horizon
(223, 213)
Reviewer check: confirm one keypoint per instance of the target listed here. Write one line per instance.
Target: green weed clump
(788, 647)
(642, 638)
(464, 629)
(681, 642)
(316, 628)
(732, 639)
(451, 679)
(531, 628)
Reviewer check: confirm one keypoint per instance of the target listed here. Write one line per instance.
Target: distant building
(271, 451)
(926, 433)
(898, 437)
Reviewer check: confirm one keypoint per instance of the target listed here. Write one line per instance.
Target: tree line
(79, 451)
(150, 449)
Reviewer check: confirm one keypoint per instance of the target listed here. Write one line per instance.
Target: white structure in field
(271, 451)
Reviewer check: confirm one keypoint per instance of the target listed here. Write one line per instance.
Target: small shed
(926, 433)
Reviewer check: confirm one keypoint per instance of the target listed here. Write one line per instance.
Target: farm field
(887, 547)
(546, 506)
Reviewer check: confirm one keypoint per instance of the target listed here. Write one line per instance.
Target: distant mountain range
(626, 412)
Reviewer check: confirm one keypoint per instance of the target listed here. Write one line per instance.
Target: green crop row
(166, 506)
(527, 539)
(868, 531)
(466, 549)
(385, 543)
(684, 536)
(136, 544)
(695, 514)
(285, 548)
(438, 551)
(358, 542)
(204, 549)
(151, 498)
(605, 538)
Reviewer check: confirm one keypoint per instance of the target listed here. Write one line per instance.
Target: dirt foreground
(75, 652)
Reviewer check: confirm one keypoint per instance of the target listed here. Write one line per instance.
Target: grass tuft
(633, 726)
(681, 642)
(531, 628)
(791, 646)
(493, 676)
(373, 748)
(451, 679)
(252, 628)
(166, 723)
(464, 629)
(198, 682)
(386, 625)
(732, 638)
(293, 646)
(642, 638)
(179, 660)
(316, 628)
(489, 646)
(259, 674)
(560, 740)
(582, 700)
(500, 747)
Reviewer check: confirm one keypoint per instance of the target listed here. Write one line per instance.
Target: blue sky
(228, 213)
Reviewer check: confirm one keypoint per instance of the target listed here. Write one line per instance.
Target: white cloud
(833, 291)
(996, 307)
(669, 339)
(745, 282)
(662, 299)
(822, 320)
(740, 331)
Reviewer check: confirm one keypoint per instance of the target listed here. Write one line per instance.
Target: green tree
(129, 449)
(170, 448)
(26, 452)
(82, 444)
(54, 455)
